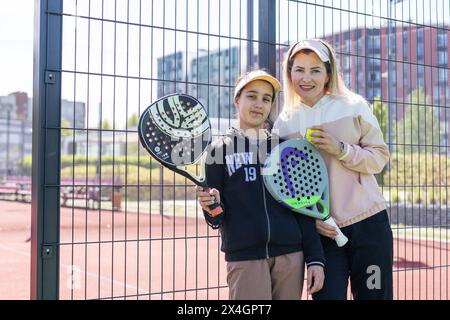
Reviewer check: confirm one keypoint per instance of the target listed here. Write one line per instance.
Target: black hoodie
(253, 225)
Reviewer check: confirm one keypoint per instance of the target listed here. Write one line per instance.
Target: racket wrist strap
(215, 209)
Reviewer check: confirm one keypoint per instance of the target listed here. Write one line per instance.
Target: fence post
(267, 35)
(46, 150)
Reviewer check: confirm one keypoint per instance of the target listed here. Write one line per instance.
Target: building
(74, 113)
(214, 76)
(209, 76)
(89, 143)
(15, 132)
(172, 73)
(392, 61)
(16, 128)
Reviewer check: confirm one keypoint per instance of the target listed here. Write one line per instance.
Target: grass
(133, 174)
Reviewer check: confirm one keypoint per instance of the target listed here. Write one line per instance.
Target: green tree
(106, 125)
(419, 127)
(379, 109)
(132, 143)
(65, 132)
(133, 121)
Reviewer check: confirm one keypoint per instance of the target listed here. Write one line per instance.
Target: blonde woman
(349, 137)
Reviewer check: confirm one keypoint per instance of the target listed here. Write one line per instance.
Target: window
(442, 76)
(421, 76)
(373, 92)
(375, 63)
(374, 76)
(347, 45)
(346, 62)
(442, 57)
(420, 46)
(442, 39)
(374, 44)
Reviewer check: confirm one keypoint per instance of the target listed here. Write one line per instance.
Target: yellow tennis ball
(308, 134)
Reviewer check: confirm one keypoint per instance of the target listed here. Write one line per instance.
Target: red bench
(19, 187)
(8, 189)
(90, 194)
(18, 192)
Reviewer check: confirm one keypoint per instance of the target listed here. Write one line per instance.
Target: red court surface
(132, 255)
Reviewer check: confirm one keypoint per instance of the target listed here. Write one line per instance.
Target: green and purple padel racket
(296, 176)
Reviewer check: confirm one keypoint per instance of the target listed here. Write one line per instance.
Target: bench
(18, 187)
(90, 194)
(8, 190)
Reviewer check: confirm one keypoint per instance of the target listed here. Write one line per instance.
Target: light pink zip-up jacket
(354, 192)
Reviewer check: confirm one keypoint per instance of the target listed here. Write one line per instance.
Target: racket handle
(340, 239)
(215, 209)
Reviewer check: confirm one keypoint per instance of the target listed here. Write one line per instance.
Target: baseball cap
(315, 45)
(256, 75)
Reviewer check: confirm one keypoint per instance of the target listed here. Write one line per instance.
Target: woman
(265, 244)
(349, 138)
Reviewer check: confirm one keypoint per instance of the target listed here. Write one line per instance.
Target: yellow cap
(257, 75)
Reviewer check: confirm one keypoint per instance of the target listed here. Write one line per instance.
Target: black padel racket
(296, 176)
(176, 131)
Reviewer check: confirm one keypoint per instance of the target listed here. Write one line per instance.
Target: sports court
(149, 256)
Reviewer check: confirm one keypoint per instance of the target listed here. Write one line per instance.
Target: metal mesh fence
(123, 227)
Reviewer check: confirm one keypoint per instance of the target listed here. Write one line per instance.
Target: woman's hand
(325, 229)
(325, 141)
(206, 199)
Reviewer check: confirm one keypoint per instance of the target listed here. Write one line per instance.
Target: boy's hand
(206, 199)
(315, 279)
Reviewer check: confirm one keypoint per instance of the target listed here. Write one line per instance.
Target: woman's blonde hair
(335, 84)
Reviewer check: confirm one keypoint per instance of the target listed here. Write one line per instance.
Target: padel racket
(296, 176)
(176, 131)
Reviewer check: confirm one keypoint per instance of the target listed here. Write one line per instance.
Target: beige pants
(277, 278)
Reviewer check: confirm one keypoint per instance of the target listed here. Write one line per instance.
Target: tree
(379, 109)
(419, 127)
(106, 125)
(65, 131)
(133, 121)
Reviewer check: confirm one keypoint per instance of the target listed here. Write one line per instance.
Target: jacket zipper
(265, 204)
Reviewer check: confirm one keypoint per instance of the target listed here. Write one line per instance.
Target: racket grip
(340, 239)
(215, 209)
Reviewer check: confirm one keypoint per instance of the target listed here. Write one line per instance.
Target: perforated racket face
(296, 176)
(175, 130)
